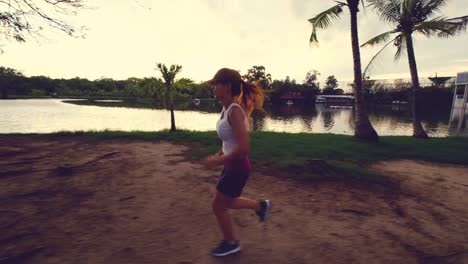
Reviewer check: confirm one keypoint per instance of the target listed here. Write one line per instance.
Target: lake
(52, 115)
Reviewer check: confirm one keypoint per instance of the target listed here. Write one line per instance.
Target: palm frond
(343, 3)
(379, 39)
(184, 85)
(409, 9)
(184, 82)
(363, 6)
(371, 63)
(389, 10)
(454, 26)
(433, 26)
(169, 74)
(324, 20)
(433, 6)
(400, 43)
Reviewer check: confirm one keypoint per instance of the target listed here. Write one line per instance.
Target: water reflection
(328, 117)
(258, 121)
(49, 115)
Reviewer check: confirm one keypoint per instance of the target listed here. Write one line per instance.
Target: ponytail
(251, 97)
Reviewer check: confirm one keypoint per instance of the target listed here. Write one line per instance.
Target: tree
(331, 82)
(84, 86)
(367, 86)
(184, 87)
(22, 18)
(409, 16)
(169, 74)
(7, 78)
(202, 90)
(105, 84)
(44, 83)
(363, 128)
(257, 73)
(311, 80)
(152, 87)
(282, 87)
(311, 86)
(330, 85)
(286, 85)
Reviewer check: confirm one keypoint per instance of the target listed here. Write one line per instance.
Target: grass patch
(285, 150)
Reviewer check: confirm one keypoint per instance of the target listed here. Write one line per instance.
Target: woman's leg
(220, 208)
(262, 208)
(244, 203)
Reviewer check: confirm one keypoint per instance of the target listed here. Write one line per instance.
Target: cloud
(459, 61)
(302, 8)
(127, 38)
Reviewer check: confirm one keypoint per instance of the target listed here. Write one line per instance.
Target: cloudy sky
(126, 38)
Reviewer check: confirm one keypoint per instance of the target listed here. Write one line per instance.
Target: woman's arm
(219, 153)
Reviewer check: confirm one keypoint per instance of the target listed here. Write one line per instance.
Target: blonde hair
(251, 97)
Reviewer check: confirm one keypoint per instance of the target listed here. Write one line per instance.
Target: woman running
(239, 99)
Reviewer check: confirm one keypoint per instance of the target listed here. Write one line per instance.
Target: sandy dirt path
(129, 201)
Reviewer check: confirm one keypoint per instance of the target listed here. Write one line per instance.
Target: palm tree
(184, 85)
(152, 87)
(410, 16)
(169, 76)
(364, 129)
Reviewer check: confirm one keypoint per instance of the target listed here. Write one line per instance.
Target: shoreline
(308, 156)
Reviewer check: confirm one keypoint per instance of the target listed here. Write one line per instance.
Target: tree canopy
(21, 19)
(258, 73)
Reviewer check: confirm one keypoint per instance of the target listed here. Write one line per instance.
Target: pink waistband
(240, 164)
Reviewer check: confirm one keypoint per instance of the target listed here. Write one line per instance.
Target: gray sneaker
(265, 207)
(225, 248)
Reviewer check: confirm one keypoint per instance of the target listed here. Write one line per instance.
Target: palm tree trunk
(173, 128)
(171, 106)
(166, 97)
(418, 130)
(363, 128)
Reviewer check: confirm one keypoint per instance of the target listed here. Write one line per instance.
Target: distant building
(459, 113)
(335, 99)
(292, 96)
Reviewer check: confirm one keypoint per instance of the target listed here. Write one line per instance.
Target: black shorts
(231, 182)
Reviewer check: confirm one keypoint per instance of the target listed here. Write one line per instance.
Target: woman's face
(221, 91)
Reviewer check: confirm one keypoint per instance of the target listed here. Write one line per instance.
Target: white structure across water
(459, 113)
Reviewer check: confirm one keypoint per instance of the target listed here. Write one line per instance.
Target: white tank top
(225, 131)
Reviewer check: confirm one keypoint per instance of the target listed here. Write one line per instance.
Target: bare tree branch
(24, 19)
